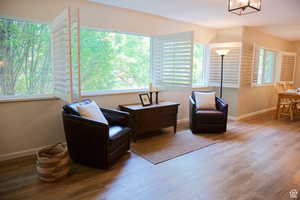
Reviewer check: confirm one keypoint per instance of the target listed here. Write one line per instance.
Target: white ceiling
(278, 17)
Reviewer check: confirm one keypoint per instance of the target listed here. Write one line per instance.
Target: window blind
(231, 70)
(66, 55)
(172, 60)
(246, 64)
(288, 62)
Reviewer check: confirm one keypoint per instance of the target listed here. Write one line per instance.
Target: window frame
(275, 67)
(32, 97)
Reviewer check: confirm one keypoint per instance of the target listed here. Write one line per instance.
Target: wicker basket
(52, 162)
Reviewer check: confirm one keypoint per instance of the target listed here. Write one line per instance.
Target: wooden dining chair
(287, 106)
(296, 108)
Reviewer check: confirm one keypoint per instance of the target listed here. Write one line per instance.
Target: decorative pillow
(92, 111)
(205, 100)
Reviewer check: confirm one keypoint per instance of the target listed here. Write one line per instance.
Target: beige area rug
(164, 146)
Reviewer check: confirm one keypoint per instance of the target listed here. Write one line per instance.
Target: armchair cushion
(213, 115)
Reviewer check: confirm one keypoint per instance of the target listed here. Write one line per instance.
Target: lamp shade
(2, 63)
(222, 52)
(243, 7)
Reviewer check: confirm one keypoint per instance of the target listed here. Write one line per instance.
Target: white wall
(29, 125)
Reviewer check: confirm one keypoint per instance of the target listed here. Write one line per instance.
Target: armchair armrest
(221, 105)
(116, 117)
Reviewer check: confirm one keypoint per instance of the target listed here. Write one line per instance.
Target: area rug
(166, 145)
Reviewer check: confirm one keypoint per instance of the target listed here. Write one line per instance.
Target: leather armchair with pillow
(94, 143)
(208, 121)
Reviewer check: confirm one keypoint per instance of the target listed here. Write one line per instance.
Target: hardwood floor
(257, 159)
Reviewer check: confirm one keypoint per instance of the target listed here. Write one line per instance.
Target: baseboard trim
(18, 154)
(252, 114)
(183, 121)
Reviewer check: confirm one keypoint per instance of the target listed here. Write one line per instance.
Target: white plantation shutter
(66, 55)
(231, 75)
(172, 60)
(288, 64)
(246, 65)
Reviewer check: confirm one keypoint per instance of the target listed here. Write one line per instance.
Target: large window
(109, 60)
(113, 61)
(25, 67)
(199, 78)
(266, 67)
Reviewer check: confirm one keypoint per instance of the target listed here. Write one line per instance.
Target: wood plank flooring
(257, 159)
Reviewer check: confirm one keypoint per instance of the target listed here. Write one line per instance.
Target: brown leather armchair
(93, 143)
(208, 121)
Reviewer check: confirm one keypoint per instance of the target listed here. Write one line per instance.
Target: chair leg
(292, 109)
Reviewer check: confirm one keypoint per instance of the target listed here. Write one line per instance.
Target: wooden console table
(150, 118)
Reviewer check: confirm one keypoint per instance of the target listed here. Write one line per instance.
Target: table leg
(292, 112)
(175, 128)
(278, 107)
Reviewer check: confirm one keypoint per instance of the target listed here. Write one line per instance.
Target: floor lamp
(222, 53)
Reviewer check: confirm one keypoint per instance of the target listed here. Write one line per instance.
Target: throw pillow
(205, 100)
(92, 111)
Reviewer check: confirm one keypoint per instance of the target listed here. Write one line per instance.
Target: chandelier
(244, 7)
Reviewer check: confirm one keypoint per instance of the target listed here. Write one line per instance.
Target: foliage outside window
(266, 67)
(198, 67)
(25, 67)
(113, 61)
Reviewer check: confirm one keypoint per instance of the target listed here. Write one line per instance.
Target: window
(25, 67)
(266, 66)
(114, 61)
(199, 78)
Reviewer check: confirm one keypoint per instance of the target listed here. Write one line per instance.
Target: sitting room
(166, 100)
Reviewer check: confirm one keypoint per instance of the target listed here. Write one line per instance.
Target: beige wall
(29, 125)
(233, 34)
(102, 16)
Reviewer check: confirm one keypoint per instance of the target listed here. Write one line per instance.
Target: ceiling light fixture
(244, 7)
